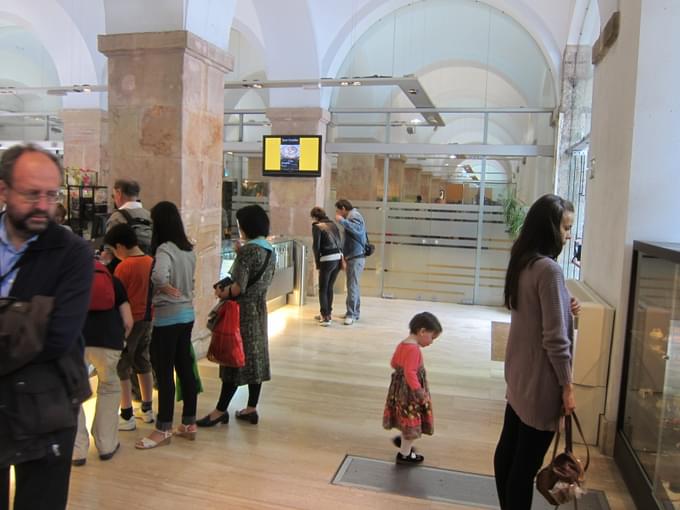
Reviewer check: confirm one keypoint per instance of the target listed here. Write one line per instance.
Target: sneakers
(145, 416)
(411, 459)
(126, 425)
(348, 321)
(325, 322)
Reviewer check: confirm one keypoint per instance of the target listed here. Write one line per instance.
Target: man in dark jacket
(39, 258)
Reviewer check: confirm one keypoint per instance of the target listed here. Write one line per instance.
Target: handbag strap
(568, 437)
(580, 431)
(261, 271)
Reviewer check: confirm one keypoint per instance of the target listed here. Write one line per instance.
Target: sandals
(146, 443)
(187, 431)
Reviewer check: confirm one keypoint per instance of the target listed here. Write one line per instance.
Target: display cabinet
(286, 281)
(648, 429)
(87, 210)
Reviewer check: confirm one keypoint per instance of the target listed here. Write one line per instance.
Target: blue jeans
(354, 269)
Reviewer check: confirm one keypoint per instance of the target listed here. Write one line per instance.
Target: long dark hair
(168, 227)
(540, 236)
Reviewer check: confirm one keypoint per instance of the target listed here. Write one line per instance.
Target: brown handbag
(563, 480)
(23, 326)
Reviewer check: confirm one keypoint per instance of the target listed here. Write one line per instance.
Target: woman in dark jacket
(326, 245)
(251, 276)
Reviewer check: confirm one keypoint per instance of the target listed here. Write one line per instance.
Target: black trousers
(328, 273)
(227, 393)
(519, 456)
(171, 349)
(41, 484)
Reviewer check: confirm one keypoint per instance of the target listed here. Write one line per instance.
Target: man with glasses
(39, 258)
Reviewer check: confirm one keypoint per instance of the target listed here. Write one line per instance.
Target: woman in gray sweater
(173, 283)
(538, 359)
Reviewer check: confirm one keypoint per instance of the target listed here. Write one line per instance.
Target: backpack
(103, 295)
(143, 229)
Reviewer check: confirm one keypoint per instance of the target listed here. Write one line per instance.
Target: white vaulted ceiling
(317, 38)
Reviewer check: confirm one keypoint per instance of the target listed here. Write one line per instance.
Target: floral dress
(404, 410)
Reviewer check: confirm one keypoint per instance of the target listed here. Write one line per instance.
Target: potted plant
(514, 212)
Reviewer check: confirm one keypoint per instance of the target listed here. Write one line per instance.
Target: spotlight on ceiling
(413, 92)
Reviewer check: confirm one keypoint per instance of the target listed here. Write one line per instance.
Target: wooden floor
(325, 400)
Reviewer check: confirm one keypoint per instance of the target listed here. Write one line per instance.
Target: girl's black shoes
(412, 458)
(207, 422)
(250, 417)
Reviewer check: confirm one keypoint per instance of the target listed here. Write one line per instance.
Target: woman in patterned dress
(251, 275)
(409, 407)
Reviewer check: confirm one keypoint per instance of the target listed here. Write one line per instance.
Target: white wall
(636, 145)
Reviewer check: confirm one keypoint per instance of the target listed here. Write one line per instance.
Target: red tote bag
(226, 344)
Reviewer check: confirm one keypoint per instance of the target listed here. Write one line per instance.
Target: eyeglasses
(34, 196)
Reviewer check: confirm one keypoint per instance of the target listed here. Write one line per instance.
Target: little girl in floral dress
(408, 407)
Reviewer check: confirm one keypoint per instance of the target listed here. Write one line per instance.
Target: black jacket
(325, 239)
(59, 264)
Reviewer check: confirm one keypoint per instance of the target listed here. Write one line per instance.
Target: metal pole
(386, 176)
(480, 217)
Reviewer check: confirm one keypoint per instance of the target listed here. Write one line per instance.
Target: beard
(29, 224)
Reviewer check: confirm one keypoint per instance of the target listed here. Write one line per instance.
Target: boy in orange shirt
(134, 271)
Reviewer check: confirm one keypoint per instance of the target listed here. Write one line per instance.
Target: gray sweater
(175, 267)
(538, 357)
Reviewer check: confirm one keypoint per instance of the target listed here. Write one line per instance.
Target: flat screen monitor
(291, 155)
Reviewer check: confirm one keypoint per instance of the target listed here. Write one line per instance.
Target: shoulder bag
(563, 480)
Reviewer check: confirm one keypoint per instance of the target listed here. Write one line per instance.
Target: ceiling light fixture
(356, 83)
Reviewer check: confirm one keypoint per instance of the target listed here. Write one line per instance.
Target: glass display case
(87, 208)
(287, 275)
(648, 437)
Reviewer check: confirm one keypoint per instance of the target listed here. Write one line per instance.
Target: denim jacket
(355, 234)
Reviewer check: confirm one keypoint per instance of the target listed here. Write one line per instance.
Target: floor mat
(436, 484)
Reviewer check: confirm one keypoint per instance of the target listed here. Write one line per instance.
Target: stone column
(395, 181)
(166, 109)
(425, 187)
(411, 186)
(85, 141)
(291, 198)
(357, 177)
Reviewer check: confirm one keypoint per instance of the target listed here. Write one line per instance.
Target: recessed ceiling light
(257, 85)
(344, 83)
(413, 92)
(356, 83)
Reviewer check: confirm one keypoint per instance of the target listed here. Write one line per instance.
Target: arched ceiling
(299, 38)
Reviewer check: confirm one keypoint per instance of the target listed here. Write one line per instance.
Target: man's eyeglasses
(34, 196)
